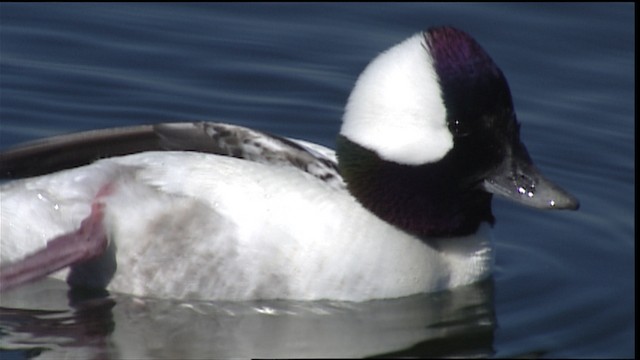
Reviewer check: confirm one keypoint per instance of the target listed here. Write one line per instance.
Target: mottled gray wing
(67, 151)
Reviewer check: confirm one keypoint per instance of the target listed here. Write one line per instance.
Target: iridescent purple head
(430, 133)
(468, 77)
(457, 54)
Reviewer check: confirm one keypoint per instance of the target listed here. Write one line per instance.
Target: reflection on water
(452, 323)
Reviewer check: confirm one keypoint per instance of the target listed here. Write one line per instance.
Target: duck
(215, 211)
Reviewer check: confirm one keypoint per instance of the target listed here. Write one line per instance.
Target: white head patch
(396, 107)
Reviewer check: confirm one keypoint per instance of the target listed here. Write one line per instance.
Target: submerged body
(272, 232)
(215, 211)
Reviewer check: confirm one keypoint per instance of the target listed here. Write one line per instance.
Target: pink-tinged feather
(86, 243)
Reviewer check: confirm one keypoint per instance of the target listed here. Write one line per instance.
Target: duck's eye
(459, 129)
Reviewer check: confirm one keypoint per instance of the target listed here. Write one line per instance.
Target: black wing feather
(68, 151)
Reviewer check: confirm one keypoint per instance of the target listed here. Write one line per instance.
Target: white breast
(200, 226)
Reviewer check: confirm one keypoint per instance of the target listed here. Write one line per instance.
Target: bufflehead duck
(216, 211)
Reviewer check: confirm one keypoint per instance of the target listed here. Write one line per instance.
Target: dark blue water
(564, 283)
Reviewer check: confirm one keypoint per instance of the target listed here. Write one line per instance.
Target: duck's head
(429, 134)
